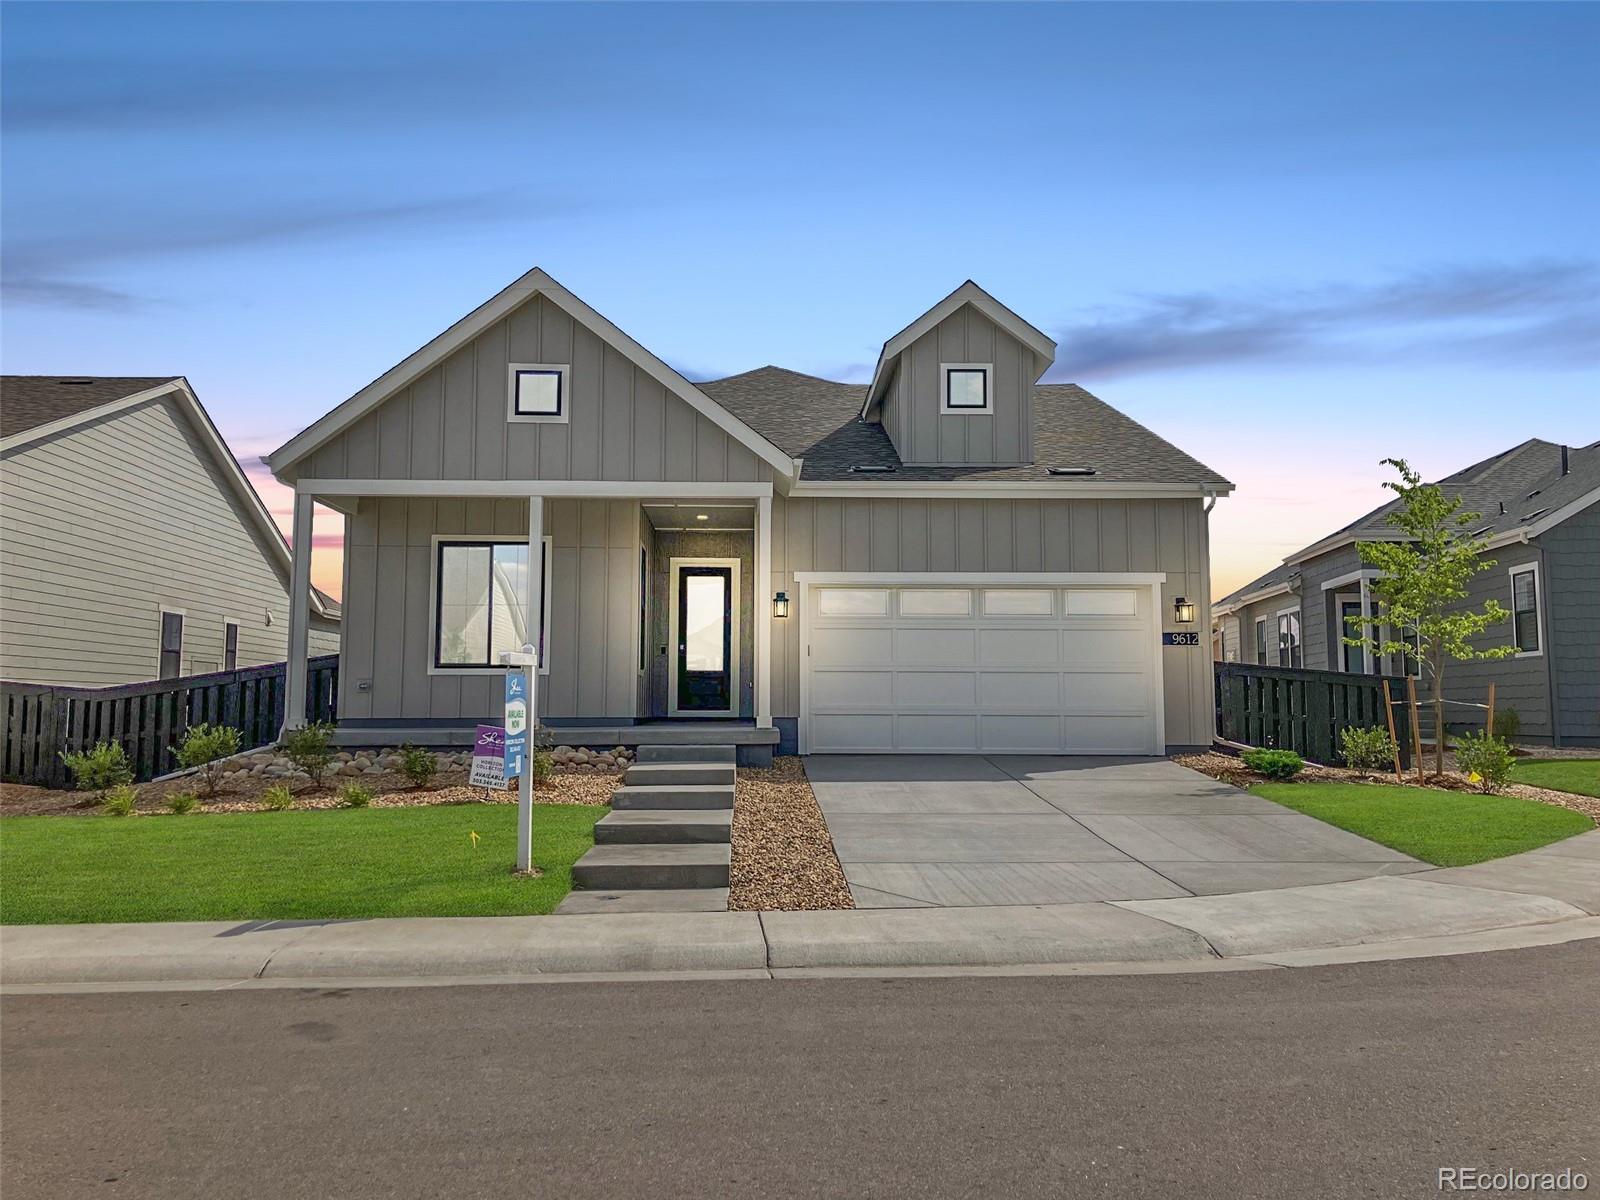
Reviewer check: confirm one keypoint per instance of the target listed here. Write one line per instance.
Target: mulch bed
(1231, 770)
(783, 857)
(388, 790)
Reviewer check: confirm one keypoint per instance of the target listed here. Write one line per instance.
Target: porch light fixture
(780, 605)
(1182, 611)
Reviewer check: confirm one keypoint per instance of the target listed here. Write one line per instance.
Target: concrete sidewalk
(1547, 895)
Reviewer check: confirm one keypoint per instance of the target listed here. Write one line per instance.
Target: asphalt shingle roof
(28, 401)
(1525, 480)
(817, 420)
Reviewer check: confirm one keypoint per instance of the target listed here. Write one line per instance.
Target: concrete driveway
(963, 830)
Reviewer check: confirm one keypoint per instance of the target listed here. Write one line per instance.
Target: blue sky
(1294, 239)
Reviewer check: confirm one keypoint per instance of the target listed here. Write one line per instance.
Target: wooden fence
(1292, 709)
(39, 723)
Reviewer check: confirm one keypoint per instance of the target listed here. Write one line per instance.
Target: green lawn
(1581, 775)
(1448, 829)
(373, 862)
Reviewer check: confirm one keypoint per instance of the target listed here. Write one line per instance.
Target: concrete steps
(625, 867)
(654, 826)
(666, 845)
(626, 798)
(688, 754)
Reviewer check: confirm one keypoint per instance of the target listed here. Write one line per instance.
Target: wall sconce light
(1182, 611)
(780, 605)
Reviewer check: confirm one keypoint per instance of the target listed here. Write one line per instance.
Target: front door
(705, 650)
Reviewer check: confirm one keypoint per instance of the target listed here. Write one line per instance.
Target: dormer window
(538, 392)
(966, 389)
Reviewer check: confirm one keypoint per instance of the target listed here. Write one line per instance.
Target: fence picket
(1292, 708)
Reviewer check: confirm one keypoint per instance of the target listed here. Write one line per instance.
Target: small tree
(1423, 583)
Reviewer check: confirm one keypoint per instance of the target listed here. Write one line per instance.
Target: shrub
(278, 798)
(1366, 749)
(418, 765)
(182, 802)
(311, 749)
(1507, 724)
(353, 795)
(205, 747)
(1274, 764)
(1487, 757)
(541, 756)
(119, 801)
(101, 769)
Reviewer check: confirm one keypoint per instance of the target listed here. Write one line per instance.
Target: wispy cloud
(49, 269)
(1546, 313)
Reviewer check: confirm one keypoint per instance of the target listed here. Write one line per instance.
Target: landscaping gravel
(783, 856)
(1231, 770)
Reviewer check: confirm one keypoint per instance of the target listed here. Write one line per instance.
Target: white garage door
(963, 669)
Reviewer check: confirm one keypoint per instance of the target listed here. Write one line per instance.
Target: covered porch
(651, 605)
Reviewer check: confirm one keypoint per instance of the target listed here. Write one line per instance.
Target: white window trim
(502, 539)
(945, 408)
(561, 369)
(1538, 605)
(1279, 615)
(735, 696)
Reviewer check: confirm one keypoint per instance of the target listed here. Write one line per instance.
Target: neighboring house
(1540, 506)
(131, 545)
(952, 558)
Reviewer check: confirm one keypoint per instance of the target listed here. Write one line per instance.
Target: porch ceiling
(702, 517)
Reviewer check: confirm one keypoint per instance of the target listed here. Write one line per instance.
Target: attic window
(964, 388)
(537, 392)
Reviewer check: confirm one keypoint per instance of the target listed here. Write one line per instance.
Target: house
(1540, 506)
(132, 547)
(952, 557)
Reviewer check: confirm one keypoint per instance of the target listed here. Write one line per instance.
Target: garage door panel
(1019, 647)
(1020, 689)
(1076, 675)
(936, 731)
(935, 647)
(862, 732)
(847, 647)
(935, 689)
(853, 689)
(1014, 734)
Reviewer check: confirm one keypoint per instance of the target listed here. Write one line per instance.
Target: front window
(481, 590)
(1289, 639)
(966, 387)
(1261, 641)
(1355, 660)
(1525, 609)
(230, 646)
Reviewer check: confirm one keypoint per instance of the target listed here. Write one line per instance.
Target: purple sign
(489, 758)
(491, 742)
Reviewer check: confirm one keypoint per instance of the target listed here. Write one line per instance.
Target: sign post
(521, 673)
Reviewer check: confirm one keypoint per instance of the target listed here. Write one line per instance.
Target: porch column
(1366, 629)
(533, 622)
(294, 686)
(763, 612)
(533, 615)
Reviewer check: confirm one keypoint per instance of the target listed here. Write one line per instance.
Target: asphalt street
(1336, 1081)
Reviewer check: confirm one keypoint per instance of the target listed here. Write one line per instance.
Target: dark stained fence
(39, 723)
(1285, 708)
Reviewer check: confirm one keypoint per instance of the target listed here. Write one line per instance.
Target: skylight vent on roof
(871, 469)
(1533, 493)
(1536, 514)
(1072, 471)
(1481, 532)
(73, 382)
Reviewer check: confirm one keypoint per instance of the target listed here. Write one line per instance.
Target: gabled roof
(118, 393)
(1527, 480)
(967, 293)
(29, 401)
(818, 421)
(535, 283)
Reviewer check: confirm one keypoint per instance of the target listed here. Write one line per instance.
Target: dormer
(955, 387)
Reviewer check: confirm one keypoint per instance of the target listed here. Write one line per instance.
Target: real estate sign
(516, 749)
(489, 758)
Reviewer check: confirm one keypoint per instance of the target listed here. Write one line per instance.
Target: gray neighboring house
(132, 547)
(1541, 523)
(952, 558)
